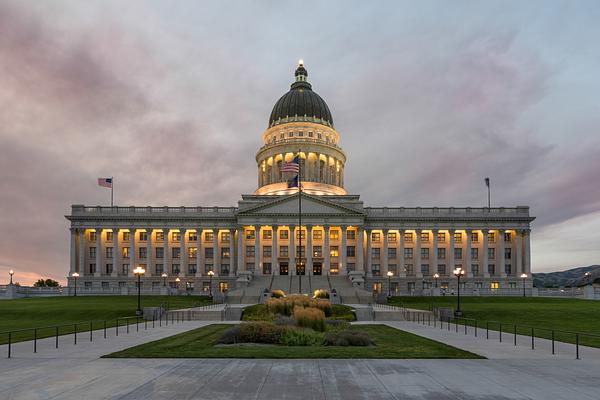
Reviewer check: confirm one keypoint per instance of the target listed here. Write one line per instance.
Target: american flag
(105, 182)
(293, 166)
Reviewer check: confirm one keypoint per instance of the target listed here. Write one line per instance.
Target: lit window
(208, 237)
(334, 234)
(160, 236)
(226, 237)
(284, 234)
(193, 252)
(334, 251)
(491, 237)
(351, 234)
(376, 237)
(318, 234)
(143, 236)
(474, 237)
(267, 234)
(318, 251)
(457, 237)
(441, 237)
(225, 252)
(193, 236)
(176, 236)
(109, 236)
(392, 237)
(495, 285)
(408, 237)
(425, 236)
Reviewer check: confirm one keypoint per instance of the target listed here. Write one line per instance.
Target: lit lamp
(389, 275)
(459, 273)
(11, 273)
(177, 280)
(210, 275)
(436, 277)
(524, 277)
(139, 271)
(75, 275)
(164, 276)
(588, 275)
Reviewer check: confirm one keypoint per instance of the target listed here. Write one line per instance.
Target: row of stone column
(311, 172)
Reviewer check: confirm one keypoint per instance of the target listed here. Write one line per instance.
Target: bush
(258, 312)
(347, 338)
(284, 320)
(278, 294)
(309, 318)
(336, 325)
(321, 294)
(302, 337)
(230, 335)
(261, 332)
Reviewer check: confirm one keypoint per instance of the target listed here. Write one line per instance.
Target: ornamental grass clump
(321, 294)
(285, 306)
(309, 317)
(261, 332)
(277, 294)
(347, 338)
(302, 337)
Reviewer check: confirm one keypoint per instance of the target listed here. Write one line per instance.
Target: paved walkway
(77, 372)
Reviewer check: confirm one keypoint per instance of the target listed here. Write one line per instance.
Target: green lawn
(199, 343)
(47, 311)
(572, 315)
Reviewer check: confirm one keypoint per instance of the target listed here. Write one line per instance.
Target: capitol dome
(301, 103)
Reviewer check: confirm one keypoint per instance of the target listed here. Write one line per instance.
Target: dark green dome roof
(301, 104)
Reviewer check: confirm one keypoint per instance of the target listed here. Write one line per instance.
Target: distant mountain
(569, 278)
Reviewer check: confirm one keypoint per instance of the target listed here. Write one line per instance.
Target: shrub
(309, 318)
(261, 332)
(284, 320)
(302, 337)
(258, 312)
(321, 294)
(336, 325)
(230, 335)
(347, 338)
(277, 294)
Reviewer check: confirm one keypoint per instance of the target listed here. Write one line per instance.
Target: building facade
(337, 235)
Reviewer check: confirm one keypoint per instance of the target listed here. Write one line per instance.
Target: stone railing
(82, 210)
(521, 211)
(300, 141)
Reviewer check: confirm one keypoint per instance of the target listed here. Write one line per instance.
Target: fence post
(35, 340)
(465, 322)
(515, 333)
(137, 324)
(577, 346)
(145, 324)
(75, 333)
(91, 337)
(487, 330)
(127, 325)
(456, 325)
(104, 329)
(476, 323)
(117, 327)
(9, 343)
(532, 340)
(57, 337)
(552, 341)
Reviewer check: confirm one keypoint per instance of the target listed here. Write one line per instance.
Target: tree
(46, 283)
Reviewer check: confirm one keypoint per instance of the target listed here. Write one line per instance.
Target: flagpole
(112, 187)
(299, 220)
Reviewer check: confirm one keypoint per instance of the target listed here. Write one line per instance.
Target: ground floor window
(224, 269)
(191, 268)
(104, 285)
(495, 285)
(376, 270)
(249, 266)
(223, 287)
(479, 285)
(206, 286)
(87, 284)
(512, 285)
(208, 267)
(394, 287)
(267, 268)
(411, 287)
(155, 285)
(508, 269)
(175, 268)
(377, 287)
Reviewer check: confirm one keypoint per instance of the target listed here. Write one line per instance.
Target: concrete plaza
(77, 372)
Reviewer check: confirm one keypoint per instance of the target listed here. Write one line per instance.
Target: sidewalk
(492, 348)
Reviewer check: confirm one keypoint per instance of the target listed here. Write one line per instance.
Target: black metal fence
(505, 331)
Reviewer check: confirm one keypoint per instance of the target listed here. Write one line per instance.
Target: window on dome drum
(334, 251)
(408, 253)
(318, 234)
(376, 237)
(351, 234)
(458, 253)
(160, 252)
(408, 237)
(283, 251)
(376, 253)
(267, 250)
(392, 237)
(507, 237)
(176, 252)
(318, 251)
(458, 237)
(350, 251)
(334, 234)
(208, 236)
(441, 237)
(474, 237)
(193, 252)
(284, 234)
(425, 236)
(267, 234)
(143, 236)
(441, 253)
(109, 236)
(425, 254)
(392, 253)
(474, 254)
(225, 252)
(126, 236)
(491, 253)
(160, 236)
(208, 252)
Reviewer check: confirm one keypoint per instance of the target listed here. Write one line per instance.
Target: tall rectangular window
(507, 236)
(160, 236)
(425, 254)
(317, 234)
(441, 269)
(334, 251)
(491, 253)
(267, 251)
(491, 237)
(159, 269)
(475, 269)
(475, 254)
(209, 237)
(507, 269)
(350, 251)
(284, 234)
(125, 252)
(125, 269)
(92, 268)
(109, 252)
(250, 234)
(267, 234)
(474, 237)
(508, 253)
(409, 269)
(176, 252)
(457, 237)
(226, 237)
(143, 236)
(283, 251)
(109, 268)
(225, 252)
(392, 253)
(142, 252)
(441, 237)
(126, 236)
(441, 253)
(425, 237)
(318, 251)
(334, 234)
(193, 236)
(458, 253)
(351, 234)
(376, 253)
(92, 252)
(408, 253)
(376, 237)
(192, 252)
(425, 269)
(250, 251)
(175, 268)
(191, 268)
(160, 251)
(491, 269)
(376, 270)
(208, 252)
(176, 236)
(109, 236)
(92, 236)
(408, 237)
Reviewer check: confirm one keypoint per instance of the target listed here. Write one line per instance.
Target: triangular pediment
(311, 205)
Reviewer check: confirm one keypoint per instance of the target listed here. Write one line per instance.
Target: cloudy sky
(171, 97)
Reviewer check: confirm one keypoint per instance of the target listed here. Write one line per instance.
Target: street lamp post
(389, 275)
(11, 273)
(164, 276)
(210, 275)
(139, 271)
(75, 275)
(588, 276)
(177, 280)
(524, 277)
(436, 276)
(459, 273)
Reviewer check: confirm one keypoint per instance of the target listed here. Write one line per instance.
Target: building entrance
(317, 269)
(283, 268)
